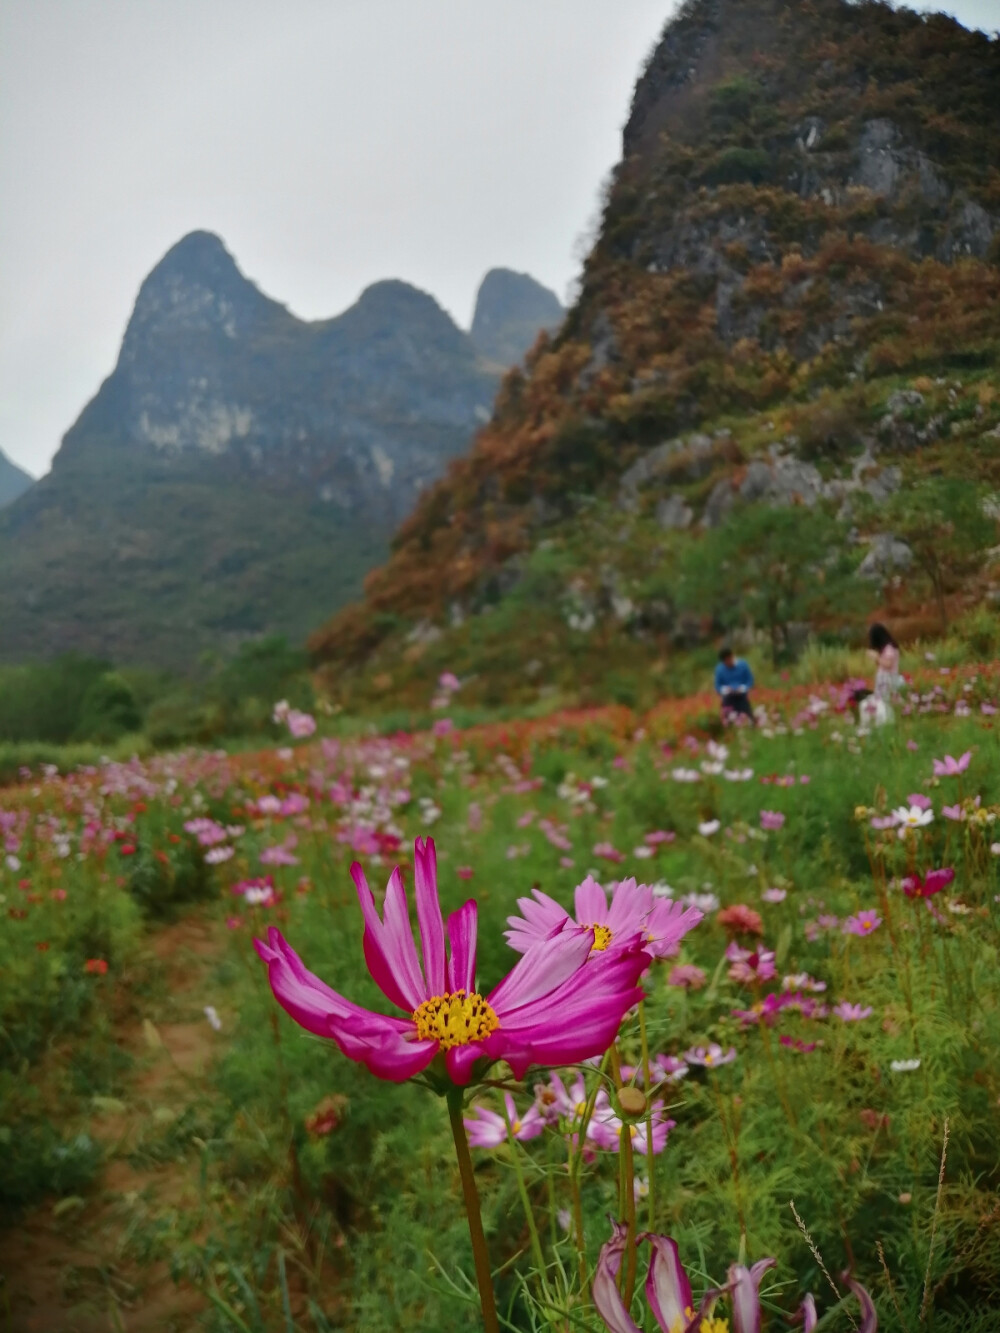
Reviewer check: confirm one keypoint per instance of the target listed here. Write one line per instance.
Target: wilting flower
(668, 1290)
(862, 923)
(559, 1005)
(915, 886)
(634, 914)
(949, 767)
(488, 1129)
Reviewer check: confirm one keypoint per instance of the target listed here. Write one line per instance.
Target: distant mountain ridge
(511, 310)
(240, 469)
(14, 481)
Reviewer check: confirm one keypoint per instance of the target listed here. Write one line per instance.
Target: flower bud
(632, 1101)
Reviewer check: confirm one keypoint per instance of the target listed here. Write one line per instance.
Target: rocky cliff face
(240, 469)
(14, 481)
(807, 207)
(511, 310)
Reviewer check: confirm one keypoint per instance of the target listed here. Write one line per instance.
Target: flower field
(793, 930)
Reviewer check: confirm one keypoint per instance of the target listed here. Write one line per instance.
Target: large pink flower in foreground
(633, 913)
(561, 1004)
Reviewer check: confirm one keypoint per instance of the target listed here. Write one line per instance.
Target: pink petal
(542, 969)
(607, 1299)
(462, 927)
(389, 950)
(668, 1290)
(429, 913)
(591, 903)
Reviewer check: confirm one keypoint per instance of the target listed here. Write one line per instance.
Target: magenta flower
(488, 1129)
(862, 923)
(771, 819)
(915, 886)
(949, 767)
(918, 799)
(852, 1013)
(558, 1006)
(634, 915)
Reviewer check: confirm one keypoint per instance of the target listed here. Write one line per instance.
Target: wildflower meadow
(596, 1021)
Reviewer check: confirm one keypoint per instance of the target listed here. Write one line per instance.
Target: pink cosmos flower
(918, 799)
(608, 851)
(710, 1056)
(559, 1005)
(465, 872)
(953, 812)
(796, 1044)
(774, 895)
(862, 923)
(750, 966)
(488, 1129)
(687, 975)
(915, 886)
(659, 836)
(606, 1129)
(634, 914)
(949, 767)
(667, 1069)
(771, 819)
(448, 681)
(852, 1013)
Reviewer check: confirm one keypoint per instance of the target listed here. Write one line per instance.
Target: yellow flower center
(455, 1019)
(710, 1324)
(602, 937)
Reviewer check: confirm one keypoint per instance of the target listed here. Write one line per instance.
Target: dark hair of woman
(879, 637)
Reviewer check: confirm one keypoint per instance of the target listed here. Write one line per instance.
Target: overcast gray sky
(329, 142)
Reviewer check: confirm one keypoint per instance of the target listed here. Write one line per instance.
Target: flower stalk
(480, 1254)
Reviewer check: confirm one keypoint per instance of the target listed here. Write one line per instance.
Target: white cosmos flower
(685, 775)
(910, 817)
(904, 1066)
(709, 826)
(712, 767)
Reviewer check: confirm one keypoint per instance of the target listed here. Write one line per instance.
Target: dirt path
(74, 1269)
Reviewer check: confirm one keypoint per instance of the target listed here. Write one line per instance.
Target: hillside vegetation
(792, 302)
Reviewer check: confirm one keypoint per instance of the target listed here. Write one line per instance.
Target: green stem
(480, 1254)
(647, 1088)
(632, 1253)
(522, 1189)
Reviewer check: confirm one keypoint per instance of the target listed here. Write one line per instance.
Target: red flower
(98, 965)
(128, 849)
(42, 946)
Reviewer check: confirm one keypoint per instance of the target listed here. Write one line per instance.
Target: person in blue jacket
(733, 682)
